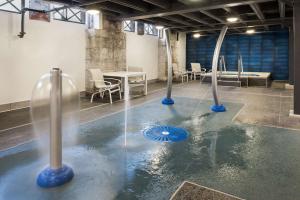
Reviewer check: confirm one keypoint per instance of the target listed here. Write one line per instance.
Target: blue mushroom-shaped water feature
(54, 104)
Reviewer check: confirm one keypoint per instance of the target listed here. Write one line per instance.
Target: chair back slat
(97, 76)
(196, 67)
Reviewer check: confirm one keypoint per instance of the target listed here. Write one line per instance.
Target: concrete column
(297, 57)
(291, 56)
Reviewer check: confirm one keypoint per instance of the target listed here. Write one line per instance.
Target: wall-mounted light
(232, 19)
(196, 35)
(93, 12)
(159, 27)
(250, 31)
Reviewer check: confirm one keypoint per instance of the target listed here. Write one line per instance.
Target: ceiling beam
(109, 13)
(212, 16)
(207, 5)
(88, 3)
(158, 22)
(113, 8)
(231, 11)
(180, 21)
(281, 9)
(229, 28)
(136, 5)
(72, 4)
(159, 3)
(258, 12)
(275, 21)
(195, 18)
(288, 2)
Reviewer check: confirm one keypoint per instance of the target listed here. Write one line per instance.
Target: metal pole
(296, 13)
(56, 174)
(22, 32)
(169, 61)
(242, 65)
(239, 67)
(215, 64)
(56, 119)
(224, 64)
(291, 56)
(220, 66)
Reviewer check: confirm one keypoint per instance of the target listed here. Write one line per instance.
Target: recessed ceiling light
(232, 19)
(93, 12)
(196, 35)
(250, 31)
(159, 27)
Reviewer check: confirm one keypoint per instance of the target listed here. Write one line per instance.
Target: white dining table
(125, 75)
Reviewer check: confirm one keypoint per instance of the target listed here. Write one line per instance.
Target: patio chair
(197, 70)
(179, 73)
(100, 84)
(136, 81)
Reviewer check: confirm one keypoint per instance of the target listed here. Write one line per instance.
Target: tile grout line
(237, 114)
(15, 127)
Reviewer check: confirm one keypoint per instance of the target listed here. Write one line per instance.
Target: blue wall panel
(264, 52)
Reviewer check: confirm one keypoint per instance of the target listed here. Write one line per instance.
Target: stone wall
(162, 60)
(162, 55)
(106, 48)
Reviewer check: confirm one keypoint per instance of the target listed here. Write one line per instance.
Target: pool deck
(262, 106)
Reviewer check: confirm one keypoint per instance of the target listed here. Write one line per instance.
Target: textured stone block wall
(162, 56)
(106, 48)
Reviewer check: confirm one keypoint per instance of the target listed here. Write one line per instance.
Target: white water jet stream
(126, 104)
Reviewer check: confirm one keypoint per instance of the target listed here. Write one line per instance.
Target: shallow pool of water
(251, 162)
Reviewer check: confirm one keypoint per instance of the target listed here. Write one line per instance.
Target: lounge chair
(100, 84)
(197, 70)
(179, 73)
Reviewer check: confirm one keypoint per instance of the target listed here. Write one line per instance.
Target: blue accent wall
(261, 52)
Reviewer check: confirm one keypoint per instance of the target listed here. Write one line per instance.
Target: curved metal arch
(215, 65)
(168, 100)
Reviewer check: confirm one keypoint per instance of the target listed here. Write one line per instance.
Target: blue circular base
(218, 108)
(167, 101)
(55, 177)
(166, 134)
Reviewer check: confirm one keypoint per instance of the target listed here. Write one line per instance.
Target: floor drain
(166, 134)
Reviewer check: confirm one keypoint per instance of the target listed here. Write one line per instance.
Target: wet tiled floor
(247, 161)
(262, 106)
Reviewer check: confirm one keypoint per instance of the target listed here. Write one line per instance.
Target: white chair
(179, 73)
(197, 70)
(136, 81)
(100, 84)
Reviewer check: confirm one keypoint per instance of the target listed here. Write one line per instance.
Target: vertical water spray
(48, 98)
(126, 98)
